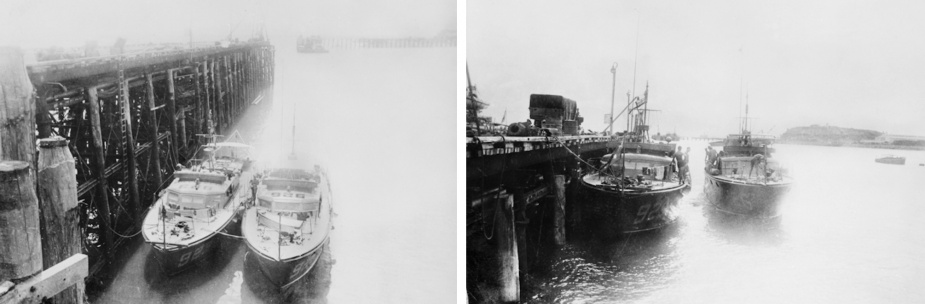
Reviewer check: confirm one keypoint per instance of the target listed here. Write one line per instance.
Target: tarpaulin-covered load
(555, 106)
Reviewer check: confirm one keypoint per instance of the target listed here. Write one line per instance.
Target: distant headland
(837, 136)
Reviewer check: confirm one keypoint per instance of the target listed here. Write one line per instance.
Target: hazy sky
(42, 23)
(844, 63)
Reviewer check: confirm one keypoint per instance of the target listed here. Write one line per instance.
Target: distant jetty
(836, 136)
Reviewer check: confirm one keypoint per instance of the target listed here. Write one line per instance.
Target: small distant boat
(288, 226)
(202, 201)
(891, 159)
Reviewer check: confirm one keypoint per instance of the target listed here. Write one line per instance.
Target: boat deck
(303, 235)
(605, 181)
(188, 230)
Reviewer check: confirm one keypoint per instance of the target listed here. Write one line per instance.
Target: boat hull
(753, 200)
(174, 259)
(284, 273)
(613, 214)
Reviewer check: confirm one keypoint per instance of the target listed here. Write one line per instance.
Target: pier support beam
(60, 221)
(99, 163)
(557, 192)
(509, 278)
(207, 87)
(572, 199)
(134, 204)
(154, 156)
(20, 240)
(172, 112)
(521, 221)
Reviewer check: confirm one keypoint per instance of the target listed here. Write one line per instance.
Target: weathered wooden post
(201, 100)
(57, 192)
(20, 240)
(572, 199)
(17, 116)
(181, 128)
(521, 221)
(557, 192)
(99, 163)
(509, 278)
(134, 206)
(207, 88)
(218, 100)
(172, 112)
(151, 120)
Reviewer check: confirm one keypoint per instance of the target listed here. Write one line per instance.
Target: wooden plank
(49, 282)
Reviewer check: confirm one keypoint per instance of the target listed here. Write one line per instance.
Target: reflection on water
(851, 231)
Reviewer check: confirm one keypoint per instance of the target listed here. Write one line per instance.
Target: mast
(613, 90)
(741, 85)
(645, 112)
(470, 97)
(746, 110)
(635, 60)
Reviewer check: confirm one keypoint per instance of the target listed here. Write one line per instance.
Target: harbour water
(378, 120)
(852, 231)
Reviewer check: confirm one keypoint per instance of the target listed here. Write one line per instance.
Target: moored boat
(289, 224)
(637, 187)
(203, 201)
(891, 159)
(743, 178)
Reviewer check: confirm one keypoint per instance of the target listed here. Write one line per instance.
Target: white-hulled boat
(203, 201)
(289, 224)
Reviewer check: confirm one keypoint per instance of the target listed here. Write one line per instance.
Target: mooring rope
(577, 156)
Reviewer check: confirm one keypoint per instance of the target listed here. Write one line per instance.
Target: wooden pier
(125, 122)
(520, 197)
(446, 38)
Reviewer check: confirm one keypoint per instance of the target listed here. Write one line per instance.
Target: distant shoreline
(854, 145)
